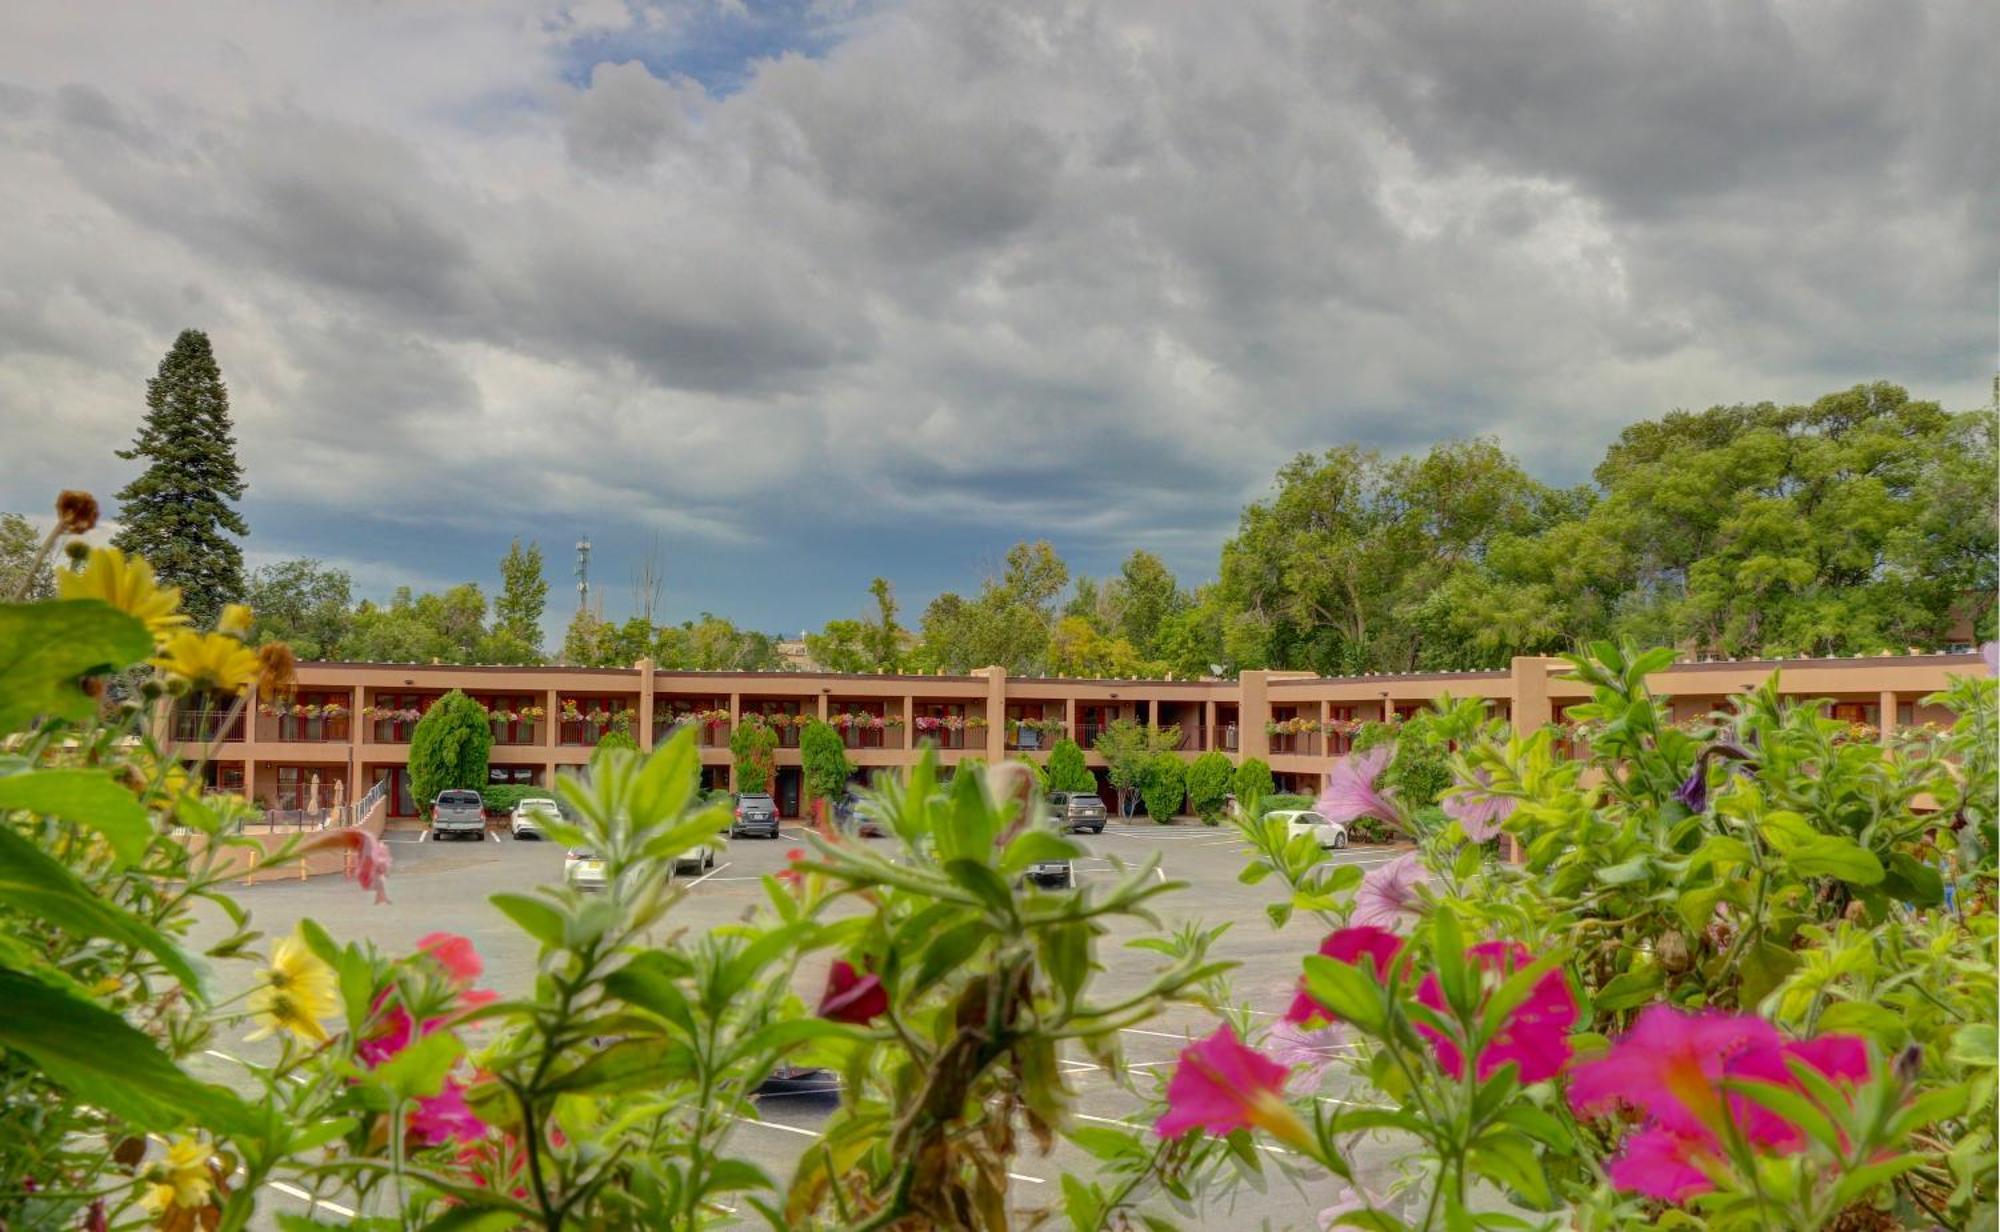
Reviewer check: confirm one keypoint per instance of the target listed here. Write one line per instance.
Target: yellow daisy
(298, 990)
(235, 620)
(209, 662)
(127, 584)
(182, 1179)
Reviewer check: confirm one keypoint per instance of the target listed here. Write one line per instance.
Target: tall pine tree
(178, 512)
(524, 593)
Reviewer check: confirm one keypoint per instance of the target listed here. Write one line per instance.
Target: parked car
(1077, 810)
(458, 811)
(1056, 873)
(697, 859)
(529, 813)
(756, 813)
(583, 869)
(1331, 835)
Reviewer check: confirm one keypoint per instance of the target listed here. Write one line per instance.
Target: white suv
(529, 812)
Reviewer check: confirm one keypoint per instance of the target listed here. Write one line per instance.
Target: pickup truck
(458, 812)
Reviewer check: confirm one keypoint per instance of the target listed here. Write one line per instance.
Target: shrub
(1253, 781)
(449, 747)
(1163, 787)
(1040, 772)
(1066, 770)
(1420, 771)
(617, 738)
(502, 797)
(823, 754)
(755, 746)
(1208, 783)
(1280, 801)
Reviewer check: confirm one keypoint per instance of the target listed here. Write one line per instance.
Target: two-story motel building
(350, 723)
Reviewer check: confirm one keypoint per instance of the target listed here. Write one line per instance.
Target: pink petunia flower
(1664, 1165)
(1220, 1086)
(446, 1117)
(1535, 1036)
(1377, 946)
(1476, 812)
(1350, 791)
(851, 996)
(1307, 1051)
(1347, 1200)
(455, 954)
(1388, 892)
(367, 857)
(1670, 1067)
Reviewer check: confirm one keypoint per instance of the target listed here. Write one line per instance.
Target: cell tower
(583, 574)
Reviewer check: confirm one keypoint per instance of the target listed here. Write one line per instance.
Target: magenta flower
(1388, 892)
(1663, 1165)
(1477, 813)
(1221, 1086)
(1535, 1037)
(1377, 946)
(446, 1117)
(1350, 788)
(851, 996)
(367, 858)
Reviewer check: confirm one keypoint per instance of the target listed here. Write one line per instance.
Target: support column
(996, 715)
(249, 744)
(1210, 738)
(909, 722)
(1252, 712)
(735, 717)
(1887, 716)
(552, 721)
(1531, 693)
(645, 732)
(1069, 719)
(824, 698)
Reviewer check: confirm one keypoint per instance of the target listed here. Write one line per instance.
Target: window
(512, 776)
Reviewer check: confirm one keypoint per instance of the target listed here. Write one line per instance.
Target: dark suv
(756, 813)
(1077, 810)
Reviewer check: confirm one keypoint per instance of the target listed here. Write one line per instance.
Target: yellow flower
(298, 990)
(235, 619)
(127, 584)
(182, 1179)
(208, 661)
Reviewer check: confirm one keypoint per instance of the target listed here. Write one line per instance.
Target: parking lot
(444, 886)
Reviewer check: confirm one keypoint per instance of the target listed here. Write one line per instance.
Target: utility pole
(583, 574)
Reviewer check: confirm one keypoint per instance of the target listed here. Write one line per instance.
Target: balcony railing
(943, 738)
(1223, 736)
(516, 732)
(205, 726)
(299, 729)
(707, 736)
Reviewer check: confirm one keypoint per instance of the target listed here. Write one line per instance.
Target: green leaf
(1795, 1108)
(1637, 869)
(1859, 1182)
(1910, 880)
(46, 647)
(1975, 1046)
(1830, 855)
(87, 798)
(536, 918)
(33, 882)
(102, 1060)
(1081, 1203)
(1630, 989)
(475, 1219)
(419, 1071)
(1348, 991)
(949, 950)
(1861, 1016)
(983, 881)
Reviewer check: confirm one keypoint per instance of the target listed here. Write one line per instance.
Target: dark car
(1077, 810)
(756, 814)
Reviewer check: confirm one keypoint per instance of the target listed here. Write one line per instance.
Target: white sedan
(529, 812)
(1331, 835)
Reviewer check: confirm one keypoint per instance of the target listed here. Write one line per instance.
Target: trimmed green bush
(502, 797)
(1419, 772)
(1163, 786)
(755, 745)
(1278, 801)
(449, 747)
(1253, 781)
(1208, 783)
(1066, 771)
(617, 738)
(823, 754)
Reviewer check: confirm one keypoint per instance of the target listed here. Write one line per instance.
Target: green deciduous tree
(1127, 747)
(20, 543)
(1163, 786)
(882, 637)
(1076, 648)
(180, 512)
(754, 745)
(823, 757)
(1067, 771)
(1209, 779)
(449, 747)
(1147, 596)
(306, 605)
(524, 595)
(1007, 624)
(413, 628)
(1254, 781)
(840, 647)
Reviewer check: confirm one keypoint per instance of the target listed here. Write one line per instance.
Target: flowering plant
(1045, 726)
(571, 712)
(1291, 727)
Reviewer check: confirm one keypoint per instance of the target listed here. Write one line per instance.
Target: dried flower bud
(1856, 913)
(1910, 1063)
(77, 551)
(76, 512)
(279, 671)
(92, 686)
(1672, 951)
(152, 690)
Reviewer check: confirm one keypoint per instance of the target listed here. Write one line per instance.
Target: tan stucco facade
(270, 757)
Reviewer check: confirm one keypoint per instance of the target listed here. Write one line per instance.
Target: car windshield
(548, 806)
(458, 797)
(582, 855)
(756, 800)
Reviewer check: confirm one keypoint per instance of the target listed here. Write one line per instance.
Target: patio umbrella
(339, 790)
(312, 794)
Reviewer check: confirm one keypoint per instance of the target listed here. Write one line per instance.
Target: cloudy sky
(818, 290)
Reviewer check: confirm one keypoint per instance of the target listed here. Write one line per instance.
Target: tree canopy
(449, 747)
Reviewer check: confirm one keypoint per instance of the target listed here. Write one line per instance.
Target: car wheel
(1098, 830)
(710, 861)
(1339, 841)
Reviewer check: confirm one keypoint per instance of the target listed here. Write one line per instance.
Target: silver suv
(457, 812)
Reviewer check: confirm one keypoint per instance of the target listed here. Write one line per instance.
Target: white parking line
(312, 1203)
(705, 876)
